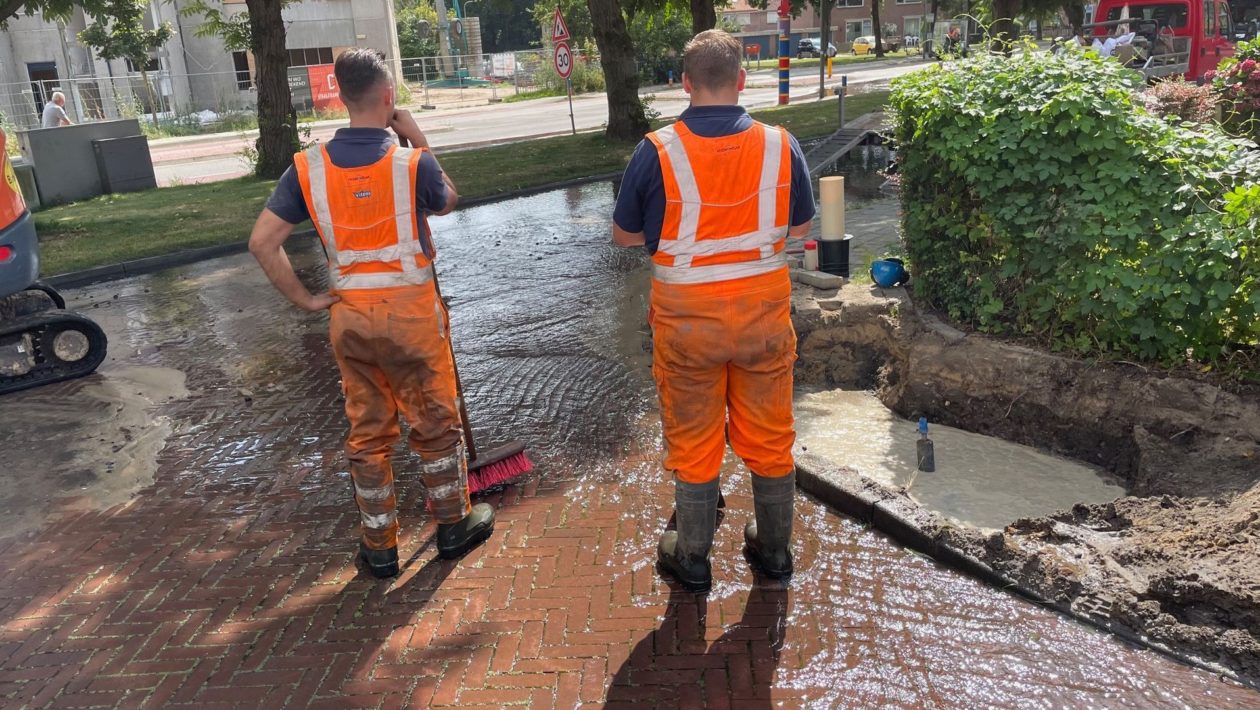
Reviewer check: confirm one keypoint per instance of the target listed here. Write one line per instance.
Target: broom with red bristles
(500, 464)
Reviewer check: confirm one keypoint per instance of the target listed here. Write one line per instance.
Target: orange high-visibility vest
(726, 204)
(367, 219)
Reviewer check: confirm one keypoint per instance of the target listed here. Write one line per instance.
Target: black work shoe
(773, 563)
(381, 563)
(696, 575)
(456, 539)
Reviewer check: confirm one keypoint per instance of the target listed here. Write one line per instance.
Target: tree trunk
(879, 31)
(1075, 12)
(148, 90)
(1003, 27)
(930, 40)
(626, 120)
(703, 16)
(277, 122)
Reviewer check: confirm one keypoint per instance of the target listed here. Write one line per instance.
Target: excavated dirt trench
(1177, 559)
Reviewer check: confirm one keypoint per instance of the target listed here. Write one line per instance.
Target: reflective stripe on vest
(406, 222)
(674, 261)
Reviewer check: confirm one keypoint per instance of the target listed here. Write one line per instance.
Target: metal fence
(484, 78)
(184, 102)
(187, 104)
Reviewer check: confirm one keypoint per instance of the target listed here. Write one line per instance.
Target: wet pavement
(229, 581)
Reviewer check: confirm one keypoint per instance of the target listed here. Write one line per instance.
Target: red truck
(40, 341)
(1171, 37)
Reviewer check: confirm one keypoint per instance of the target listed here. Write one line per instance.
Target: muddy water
(550, 329)
(94, 444)
(979, 480)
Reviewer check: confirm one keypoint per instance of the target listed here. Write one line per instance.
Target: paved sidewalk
(228, 582)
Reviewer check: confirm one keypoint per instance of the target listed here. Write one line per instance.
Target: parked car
(812, 47)
(866, 45)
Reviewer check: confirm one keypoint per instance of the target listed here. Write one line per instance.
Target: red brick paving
(229, 582)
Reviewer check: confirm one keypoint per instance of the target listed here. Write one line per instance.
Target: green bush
(1041, 200)
(1237, 82)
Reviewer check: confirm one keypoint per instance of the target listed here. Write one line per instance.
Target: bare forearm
(275, 263)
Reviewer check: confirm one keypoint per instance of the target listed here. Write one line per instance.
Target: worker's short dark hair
(359, 72)
(711, 60)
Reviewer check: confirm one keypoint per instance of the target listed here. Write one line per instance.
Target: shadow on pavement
(676, 665)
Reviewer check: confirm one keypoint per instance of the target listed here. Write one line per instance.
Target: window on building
(153, 65)
(244, 80)
(743, 18)
(912, 26)
(850, 3)
(310, 56)
(772, 17)
(909, 2)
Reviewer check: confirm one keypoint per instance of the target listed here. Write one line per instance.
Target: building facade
(850, 19)
(190, 74)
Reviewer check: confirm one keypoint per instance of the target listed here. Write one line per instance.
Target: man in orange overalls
(367, 198)
(713, 198)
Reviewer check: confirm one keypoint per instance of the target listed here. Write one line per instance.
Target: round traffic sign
(564, 60)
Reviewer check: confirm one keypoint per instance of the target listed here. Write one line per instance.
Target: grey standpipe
(923, 448)
(844, 89)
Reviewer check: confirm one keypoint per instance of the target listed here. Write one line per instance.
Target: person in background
(55, 112)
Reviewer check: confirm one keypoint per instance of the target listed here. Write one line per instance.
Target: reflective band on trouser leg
(374, 427)
(446, 481)
(378, 508)
(421, 374)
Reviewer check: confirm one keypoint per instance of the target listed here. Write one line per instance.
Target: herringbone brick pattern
(229, 582)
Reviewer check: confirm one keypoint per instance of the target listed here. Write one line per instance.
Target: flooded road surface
(229, 578)
(979, 480)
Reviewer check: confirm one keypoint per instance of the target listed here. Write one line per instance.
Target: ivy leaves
(1040, 198)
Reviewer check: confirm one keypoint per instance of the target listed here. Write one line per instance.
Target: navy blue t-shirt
(641, 202)
(354, 148)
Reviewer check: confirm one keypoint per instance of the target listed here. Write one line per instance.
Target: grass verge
(115, 228)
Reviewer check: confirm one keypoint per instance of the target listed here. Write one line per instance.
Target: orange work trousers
(722, 358)
(394, 359)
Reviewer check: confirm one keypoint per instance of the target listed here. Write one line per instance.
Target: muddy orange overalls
(388, 334)
(724, 346)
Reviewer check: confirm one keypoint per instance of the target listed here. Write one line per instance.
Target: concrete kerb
(912, 526)
(150, 264)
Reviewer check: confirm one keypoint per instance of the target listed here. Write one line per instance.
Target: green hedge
(1041, 200)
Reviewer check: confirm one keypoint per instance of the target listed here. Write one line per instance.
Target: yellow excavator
(40, 341)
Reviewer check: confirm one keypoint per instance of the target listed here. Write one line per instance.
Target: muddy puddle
(979, 480)
(91, 443)
(549, 323)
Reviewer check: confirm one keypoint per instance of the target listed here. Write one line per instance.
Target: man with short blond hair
(713, 198)
(369, 200)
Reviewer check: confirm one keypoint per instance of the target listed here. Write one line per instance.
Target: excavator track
(48, 346)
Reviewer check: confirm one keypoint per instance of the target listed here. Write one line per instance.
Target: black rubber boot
(684, 553)
(456, 539)
(381, 563)
(768, 538)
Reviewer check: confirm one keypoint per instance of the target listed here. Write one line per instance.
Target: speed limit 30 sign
(564, 60)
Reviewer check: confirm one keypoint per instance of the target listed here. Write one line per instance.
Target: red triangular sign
(559, 30)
